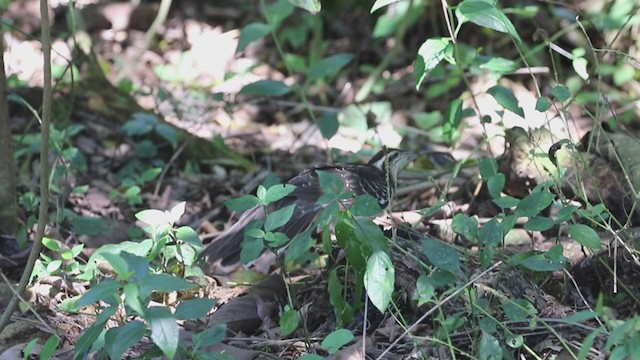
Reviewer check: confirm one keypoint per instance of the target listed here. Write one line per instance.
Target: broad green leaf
(299, 251)
(132, 298)
(485, 14)
(242, 203)
(289, 321)
(379, 280)
(277, 192)
(430, 54)
(551, 260)
(312, 6)
(328, 124)
(255, 233)
(518, 309)
(441, 255)
(193, 309)
(210, 336)
(188, 236)
(452, 121)
(365, 205)
(337, 339)
(266, 88)
(164, 329)
(279, 217)
(585, 235)
(251, 247)
(543, 104)
(499, 65)
(119, 339)
(506, 202)
(380, 4)
(168, 133)
(49, 347)
(119, 265)
(488, 167)
(107, 289)
(50, 244)
(489, 348)
(276, 239)
(141, 124)
(424, 289)
(330, 182)
(176, 212)
(278, 12)
(466, 226)
(506, 98)
(153, 217)
(534, 203)
(495, 184)
(561, 93)
(539, 223)
(251, 33)
(328, 67)
(164, 283)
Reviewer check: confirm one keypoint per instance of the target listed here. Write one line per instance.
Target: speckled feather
(358, 178)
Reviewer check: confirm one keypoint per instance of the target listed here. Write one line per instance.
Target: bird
(378, 178)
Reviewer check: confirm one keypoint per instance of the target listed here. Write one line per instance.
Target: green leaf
(289, 321)
(119, 339)
(141, 124)
(585, 235)
(499, 65)
(242, 203)
(543, 104)
(488, 167)
(49, 347)
(365, 205)
(328, 67)
(277, 192)
(506, 98)
(188, 236)
(106, 290)
(441, 255)
(551, 260)
(328, 124)
(495, 184)
(278, 12)
(164, 283)
(50, 244)
(379, 280)
(210, 336)
(266, 88)
(168, 133)
(337, 339)
(424, 289)
(506, 202)
(255, 233)
(278, 218)
(489, 348)
(312, 6)
(534, 203)
(380, 4)
(519, 309)
(251, 247)
(485, 14)
(561, 93)
(344, 312)
(251, 33)
(539, 223)
(193, 309)
(119, 265)
(430, 54)
(154, 217)
(330, 182)
(164, 329)
(276, 239)
(466, 226)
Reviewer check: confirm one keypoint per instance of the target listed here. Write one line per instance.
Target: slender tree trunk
(8, 183)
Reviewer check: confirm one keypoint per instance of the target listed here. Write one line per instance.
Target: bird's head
(391, 161)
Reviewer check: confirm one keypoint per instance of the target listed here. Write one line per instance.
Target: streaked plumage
(376, 178)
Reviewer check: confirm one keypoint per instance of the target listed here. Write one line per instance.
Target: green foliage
(144, 271)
